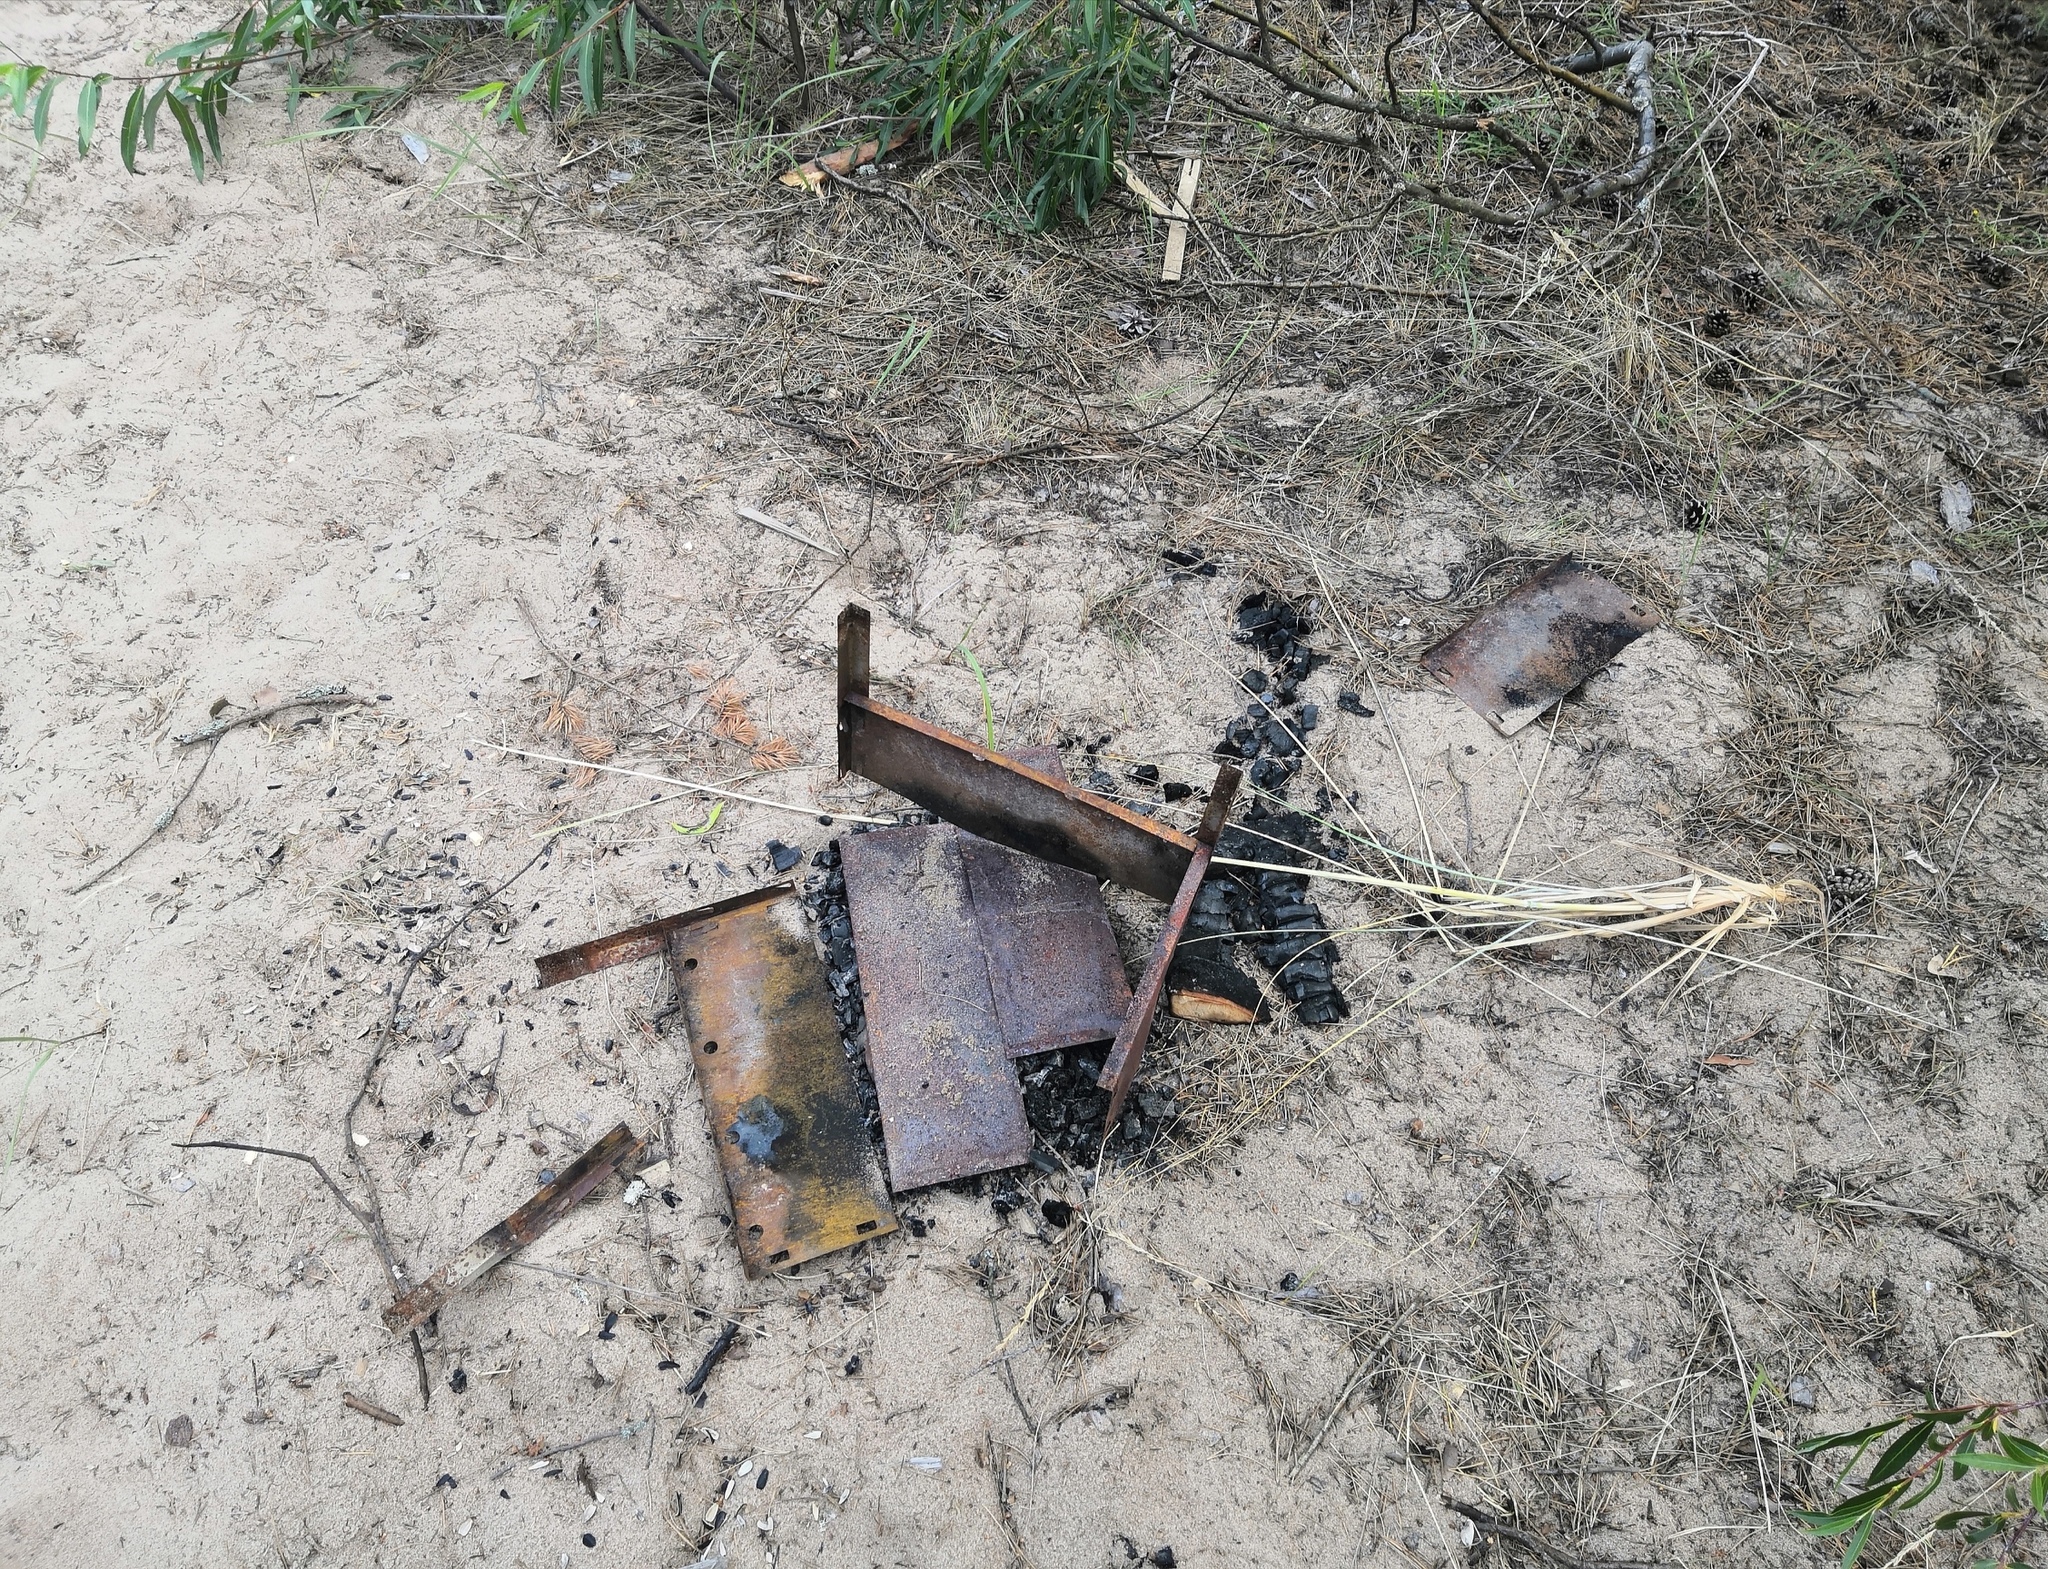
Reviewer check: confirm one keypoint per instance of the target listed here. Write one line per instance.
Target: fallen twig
(719, 1347)
(212, 734)
(630, 1430)
(333, 1187)
(357, 1403)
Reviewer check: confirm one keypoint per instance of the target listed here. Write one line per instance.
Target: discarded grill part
(991, 795)
(971, 955)
(1515, 658)
(1122, 1065)
(524, 1225)
(778, 1093)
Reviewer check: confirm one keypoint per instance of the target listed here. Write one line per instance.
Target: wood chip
(356, 1402)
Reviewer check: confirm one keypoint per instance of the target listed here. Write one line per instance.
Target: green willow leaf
(194, 149)
(89, 111)
(39, 126)
(131, 126)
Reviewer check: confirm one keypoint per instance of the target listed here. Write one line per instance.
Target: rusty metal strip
(635, 942)
(993, 796)
(1121, 1066)
(525, 1224)
(1515, 658)
(951, 1104)
(785, 1116)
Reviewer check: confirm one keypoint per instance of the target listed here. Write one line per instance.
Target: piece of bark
(1208, 989)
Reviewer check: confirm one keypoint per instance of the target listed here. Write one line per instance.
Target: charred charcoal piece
(1311, 714)
(1348, 701)
(1205, 987)
(1174, 790)
(1146, 773)
(1279, 738)
(1253, 680)
(783, 856)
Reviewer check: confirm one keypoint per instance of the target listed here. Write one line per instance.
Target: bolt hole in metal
(753, 1231)
(689, 964)
(710, 1047)
(865, 1227)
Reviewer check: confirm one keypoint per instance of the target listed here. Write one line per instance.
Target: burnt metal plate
(951, 1105)
(779, 1094)
(1515, 658)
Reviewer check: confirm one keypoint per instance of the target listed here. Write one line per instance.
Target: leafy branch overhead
(1962, 1444)
(1501, 113)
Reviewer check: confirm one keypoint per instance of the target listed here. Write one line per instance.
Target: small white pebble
(814, 1433)
(588, 1513)
(463, 1529)
(362, 1140)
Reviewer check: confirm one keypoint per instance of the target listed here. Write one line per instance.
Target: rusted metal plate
(1515, 658)
(992, 796)
(1053, 967)
(1120, 1068)
(972, 955)
(516, 1230)
(778, 1091)
(951, 1105)
(784, 1113)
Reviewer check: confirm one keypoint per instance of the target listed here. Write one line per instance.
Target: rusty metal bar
(1121, 1066)
(638, 942)
(993, 796)
(525, 1224)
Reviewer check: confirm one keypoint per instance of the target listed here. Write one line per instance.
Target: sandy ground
(293, 428)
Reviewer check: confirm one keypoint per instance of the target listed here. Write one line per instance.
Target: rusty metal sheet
(951, 1105)
(993, 796)
(516, 1230)
(779, 1096)
(1120, 1068)
(1515, 658)
(1053, 966)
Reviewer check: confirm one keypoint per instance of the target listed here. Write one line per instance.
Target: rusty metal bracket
(993, 796)
(779, 1096)
(1515, 658)
(1120, 1068)
(525, 1224)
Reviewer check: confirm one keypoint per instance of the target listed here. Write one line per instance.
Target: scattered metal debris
(1515, 658)
(524, 1225)
(780, 1098)
(1122, 1064)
